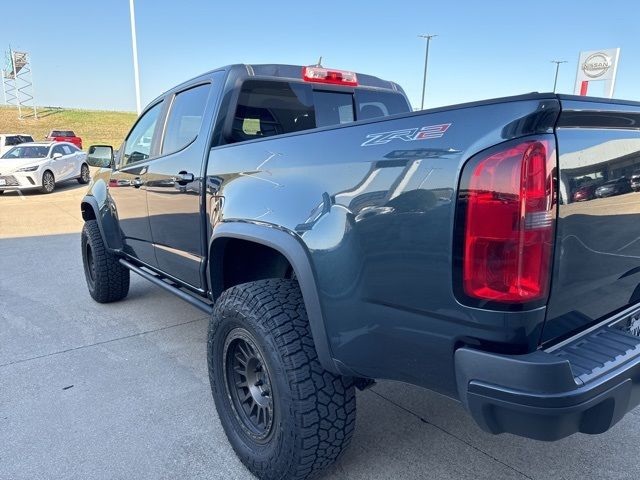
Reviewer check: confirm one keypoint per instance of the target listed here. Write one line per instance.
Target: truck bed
(378, 212)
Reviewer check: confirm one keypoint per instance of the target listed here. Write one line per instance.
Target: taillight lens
(509, 222)
(334, 77)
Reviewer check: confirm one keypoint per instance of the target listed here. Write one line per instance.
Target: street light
(135, 55)
(426, 62)
(555, 80)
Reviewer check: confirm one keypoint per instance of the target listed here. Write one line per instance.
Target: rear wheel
(107, 279)
(284, 415)
(85, 176)
(48, 182)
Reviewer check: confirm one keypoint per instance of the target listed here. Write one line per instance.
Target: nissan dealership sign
(597, 65)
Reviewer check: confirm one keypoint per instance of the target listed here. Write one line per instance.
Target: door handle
(137, 182)
(184, 177)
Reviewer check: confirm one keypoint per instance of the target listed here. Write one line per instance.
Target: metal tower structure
(17, 82)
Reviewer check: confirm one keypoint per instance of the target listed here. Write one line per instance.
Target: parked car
(635, 182)
(585, 192)
(613, 187)
(320, 245)
(42, 165)
(10, 140)
(64, 136)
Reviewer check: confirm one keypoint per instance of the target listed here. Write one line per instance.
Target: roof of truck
(290, 72)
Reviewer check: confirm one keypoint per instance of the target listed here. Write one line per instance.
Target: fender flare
(107, 224)
(294, 250)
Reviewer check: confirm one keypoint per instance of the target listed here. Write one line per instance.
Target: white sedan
(42, 166)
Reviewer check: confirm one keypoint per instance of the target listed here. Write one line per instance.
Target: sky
(81, 51)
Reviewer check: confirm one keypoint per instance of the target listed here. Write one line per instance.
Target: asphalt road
(120, 391)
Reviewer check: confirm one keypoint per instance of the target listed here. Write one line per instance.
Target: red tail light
(509, 222)
(324, 75)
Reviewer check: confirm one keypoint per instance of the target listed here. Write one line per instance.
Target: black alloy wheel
(248, 384)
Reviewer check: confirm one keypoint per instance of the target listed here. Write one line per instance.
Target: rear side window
(185, 118)
(17, 140)
(268, 108)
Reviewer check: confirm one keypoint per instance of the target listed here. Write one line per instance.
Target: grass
(94, 126)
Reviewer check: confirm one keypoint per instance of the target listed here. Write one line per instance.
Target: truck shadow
(405, 431)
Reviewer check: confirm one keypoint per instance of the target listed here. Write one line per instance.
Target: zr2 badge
(407, 135)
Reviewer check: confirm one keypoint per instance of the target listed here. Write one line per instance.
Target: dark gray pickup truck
(336, 237)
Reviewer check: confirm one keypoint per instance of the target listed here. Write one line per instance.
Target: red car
(64, 136)
(586, 192)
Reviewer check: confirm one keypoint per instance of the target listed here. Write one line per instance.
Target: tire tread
(324, 403)
(112, 279)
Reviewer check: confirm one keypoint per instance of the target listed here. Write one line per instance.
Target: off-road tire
(107, 280)
(314, 411)
(48, 182)
(85, 175)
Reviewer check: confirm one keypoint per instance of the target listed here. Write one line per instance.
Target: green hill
(95, 127)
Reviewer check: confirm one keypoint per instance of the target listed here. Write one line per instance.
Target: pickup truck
(335, 237)
(64, 136)
(10, 140)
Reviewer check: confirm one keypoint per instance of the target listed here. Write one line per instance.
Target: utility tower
(17, 82)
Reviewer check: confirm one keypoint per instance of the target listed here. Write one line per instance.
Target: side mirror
(56, 156)
(100, 156)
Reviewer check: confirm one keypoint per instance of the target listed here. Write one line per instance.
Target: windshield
(27, 152)
(62, 133)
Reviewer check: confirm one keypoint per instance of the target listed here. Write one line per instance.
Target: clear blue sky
(81, 50)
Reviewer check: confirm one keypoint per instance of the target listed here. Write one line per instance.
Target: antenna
(319, 64)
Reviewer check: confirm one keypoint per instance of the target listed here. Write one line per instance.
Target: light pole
(426, 62)
(555, 80)
(135, 55)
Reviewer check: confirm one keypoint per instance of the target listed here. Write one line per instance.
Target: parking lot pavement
(23, 214)
(120, 391)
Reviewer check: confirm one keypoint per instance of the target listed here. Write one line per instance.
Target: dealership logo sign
(596, 65)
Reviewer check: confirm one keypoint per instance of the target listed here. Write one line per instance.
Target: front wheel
(284, 415)
(107, 279)
(48, 182)
(85, 176)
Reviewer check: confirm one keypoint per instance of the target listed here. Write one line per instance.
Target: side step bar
(157, 280)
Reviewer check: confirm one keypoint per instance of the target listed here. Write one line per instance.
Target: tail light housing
(507, 222)
(333, 77)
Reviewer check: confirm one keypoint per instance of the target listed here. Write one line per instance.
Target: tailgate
(597, 255)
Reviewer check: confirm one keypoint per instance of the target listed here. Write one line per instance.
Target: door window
(67, 150)
(185, 118)
(57, 149)
(138, 144)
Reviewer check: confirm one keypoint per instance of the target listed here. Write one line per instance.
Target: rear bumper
(587, 385)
